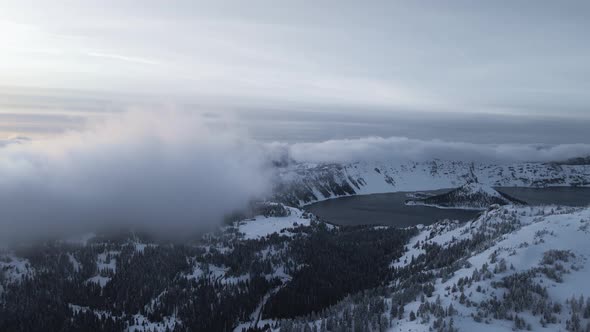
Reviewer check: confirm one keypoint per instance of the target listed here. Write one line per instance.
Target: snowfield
(540, 231)
(261, 226)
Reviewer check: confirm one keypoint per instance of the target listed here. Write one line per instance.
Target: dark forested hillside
(336, 264)
(289, 272)
(210, 284)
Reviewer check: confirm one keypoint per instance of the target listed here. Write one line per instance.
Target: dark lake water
(556, 195)
(389, 209)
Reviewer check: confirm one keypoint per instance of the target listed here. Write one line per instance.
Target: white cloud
(176, 171)
(402, 148)
(165, 171)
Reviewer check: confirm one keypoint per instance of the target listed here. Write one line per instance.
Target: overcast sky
(512, 58)
(318, 81)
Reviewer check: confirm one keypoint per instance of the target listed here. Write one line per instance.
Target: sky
(167, 114)
(65, 61)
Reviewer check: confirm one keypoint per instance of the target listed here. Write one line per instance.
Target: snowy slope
(549, 243)
(13, 269)
(261, 226)
(255, 228)
(513, 268)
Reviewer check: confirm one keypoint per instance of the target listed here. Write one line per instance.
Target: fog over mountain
(177, 170)
(163, 172)
(403, 148)
(294, 165)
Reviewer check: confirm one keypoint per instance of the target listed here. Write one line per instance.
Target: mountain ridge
(300, 184)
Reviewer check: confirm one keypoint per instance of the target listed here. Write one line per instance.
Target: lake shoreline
(389, 209)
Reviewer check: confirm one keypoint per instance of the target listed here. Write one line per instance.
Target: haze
(132, 111)
(388, 58)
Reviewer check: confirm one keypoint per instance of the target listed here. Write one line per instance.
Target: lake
(389, 209)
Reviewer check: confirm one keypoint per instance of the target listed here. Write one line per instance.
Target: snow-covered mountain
(527, 269)
(127, 282)
(472, 195)
(513, 268)
(279, 268)
(303, 183)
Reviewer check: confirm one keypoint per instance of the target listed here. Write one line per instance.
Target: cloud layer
(166, 171)
(171, 171)
(402, 148)
(433, 56)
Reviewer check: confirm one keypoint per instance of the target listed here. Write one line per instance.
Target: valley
(353, 253)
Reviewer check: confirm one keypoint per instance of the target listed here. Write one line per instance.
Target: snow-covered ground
(474, 187)
(528, 270)
(544, 246)
(14, 268)
(142, 324)
(253, 229)
(539, 232)
(99, 280)
(261, 226)
(106, 265)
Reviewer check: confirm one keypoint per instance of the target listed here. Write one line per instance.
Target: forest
(321, 265)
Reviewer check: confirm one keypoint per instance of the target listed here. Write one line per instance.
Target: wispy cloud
(120, 57)
(429, 57)
(403, 149)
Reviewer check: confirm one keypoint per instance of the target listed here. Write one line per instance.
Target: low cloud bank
(165, 171)
(170, 171)
(401, 148)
